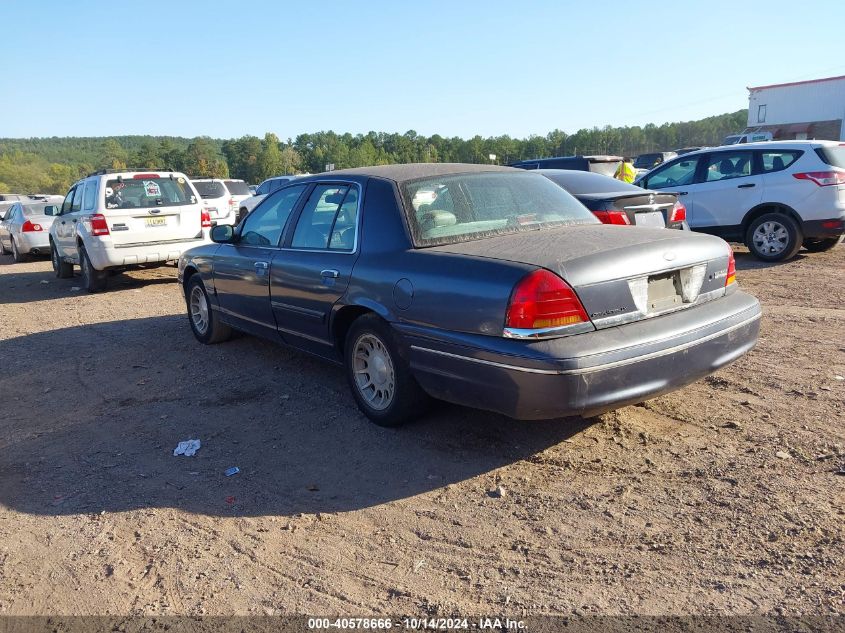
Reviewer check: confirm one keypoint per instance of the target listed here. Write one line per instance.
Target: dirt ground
(721, 498)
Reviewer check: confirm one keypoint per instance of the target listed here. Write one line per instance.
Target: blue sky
(458, 68)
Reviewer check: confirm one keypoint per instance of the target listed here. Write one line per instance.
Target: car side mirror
(51, 210)
(223, 234)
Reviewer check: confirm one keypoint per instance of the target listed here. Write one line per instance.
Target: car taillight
(205, 219)
(823, 178)
(612, 217)
(28, 226)
(678, 213)
(731, 276)
(543, 300)
(232, 204)
(99, 226)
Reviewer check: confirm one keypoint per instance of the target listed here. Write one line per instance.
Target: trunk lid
(620, 274)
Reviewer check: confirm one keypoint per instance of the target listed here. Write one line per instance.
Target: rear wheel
(93, 280)
(774, 237)
(820, 245)
(16, 254)
(62, 269)
(205, 322)
(379, 376)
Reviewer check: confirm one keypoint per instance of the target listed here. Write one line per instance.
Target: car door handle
(261, 265)
(683, 193)
(329, 274)
(746, 185)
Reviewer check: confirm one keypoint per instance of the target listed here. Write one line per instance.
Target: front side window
(148, 191)
(328, 219)
(463, 207)
(776, 161)
(727, 165)
(264, 226)
(68, 200)
(673, 174)
(76, 203)
(263, 188)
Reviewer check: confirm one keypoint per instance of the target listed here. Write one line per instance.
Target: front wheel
(379, 376)
(62, 269)
(815, 245)
(774, 237)
(93, 280)
(204, 320)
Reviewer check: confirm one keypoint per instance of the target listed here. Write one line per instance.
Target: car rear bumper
(585, 374)
(822, 229)
(103, 255)
(35, 242)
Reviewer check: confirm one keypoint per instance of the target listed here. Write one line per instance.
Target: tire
(205, 322)
(93, 280)
(774, 237)
(62, 269)
(815, 245)
(390, 395)
(16, 254)
(3, 250)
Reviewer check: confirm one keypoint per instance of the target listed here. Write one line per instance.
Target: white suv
(773, 196)
(222, 198)
(114, 220)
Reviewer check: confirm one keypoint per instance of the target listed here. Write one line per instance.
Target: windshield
(463, 207)
(141, 191)
(210, 188)
(237, 188)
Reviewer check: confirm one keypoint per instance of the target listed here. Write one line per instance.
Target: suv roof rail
(104, 172)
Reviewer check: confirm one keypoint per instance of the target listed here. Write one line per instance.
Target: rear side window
(210, 189)
(672, 175)
(726, 165)
(778, 160)
(833, 156)
(142, 191)
(263, 188)
(237, 187)
(315, 228)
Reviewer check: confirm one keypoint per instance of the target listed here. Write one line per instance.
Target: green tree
(269, 161)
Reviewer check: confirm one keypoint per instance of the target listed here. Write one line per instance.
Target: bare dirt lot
(723, 497)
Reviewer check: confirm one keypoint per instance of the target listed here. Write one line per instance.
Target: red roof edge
(796, 83)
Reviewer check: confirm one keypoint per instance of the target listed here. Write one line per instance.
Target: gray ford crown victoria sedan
(481, 285)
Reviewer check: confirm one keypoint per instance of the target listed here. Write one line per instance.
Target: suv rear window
(464, 207)
(833, 156)
(210, 189)
(148, 192)
(237, 188)
(648, 161)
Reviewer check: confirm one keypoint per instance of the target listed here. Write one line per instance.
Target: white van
(114, 220)
(747, 137)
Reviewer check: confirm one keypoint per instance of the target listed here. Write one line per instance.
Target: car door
(727, 185)
(312, 271)
(675, 176)
(242, 269)
(67, 221)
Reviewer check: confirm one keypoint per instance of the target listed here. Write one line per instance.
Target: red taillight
(731, 276)
(833, 224)
(205, 219)
(823, 178)
(678, 213)
(28, 227)
(543, 300)
(99, 226)
(232, 204)
(612, 217)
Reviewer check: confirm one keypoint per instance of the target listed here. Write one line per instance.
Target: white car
(25, 229)
(774, 196)
(222, 198)
(267, 187)
(115, 220)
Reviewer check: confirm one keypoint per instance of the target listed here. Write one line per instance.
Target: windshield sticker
(151, 189)
(180, 180)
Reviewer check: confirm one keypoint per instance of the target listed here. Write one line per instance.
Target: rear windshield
(210, 189)
(148, 192)
(34, 209)
(833, 156)
(237, 188)
(464, 207)
(584, 182)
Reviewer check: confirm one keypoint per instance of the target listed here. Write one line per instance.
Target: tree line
(51, 165)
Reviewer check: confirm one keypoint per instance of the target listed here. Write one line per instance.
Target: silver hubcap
(373, 371)
(771, 238)
(199, 310)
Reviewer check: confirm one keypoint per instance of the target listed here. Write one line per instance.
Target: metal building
(812, 109)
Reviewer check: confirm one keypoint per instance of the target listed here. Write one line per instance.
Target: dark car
(615, 202)
(652, 160)
(599, 164)
(481, 285)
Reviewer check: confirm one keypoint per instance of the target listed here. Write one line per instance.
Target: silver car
(26, 229)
